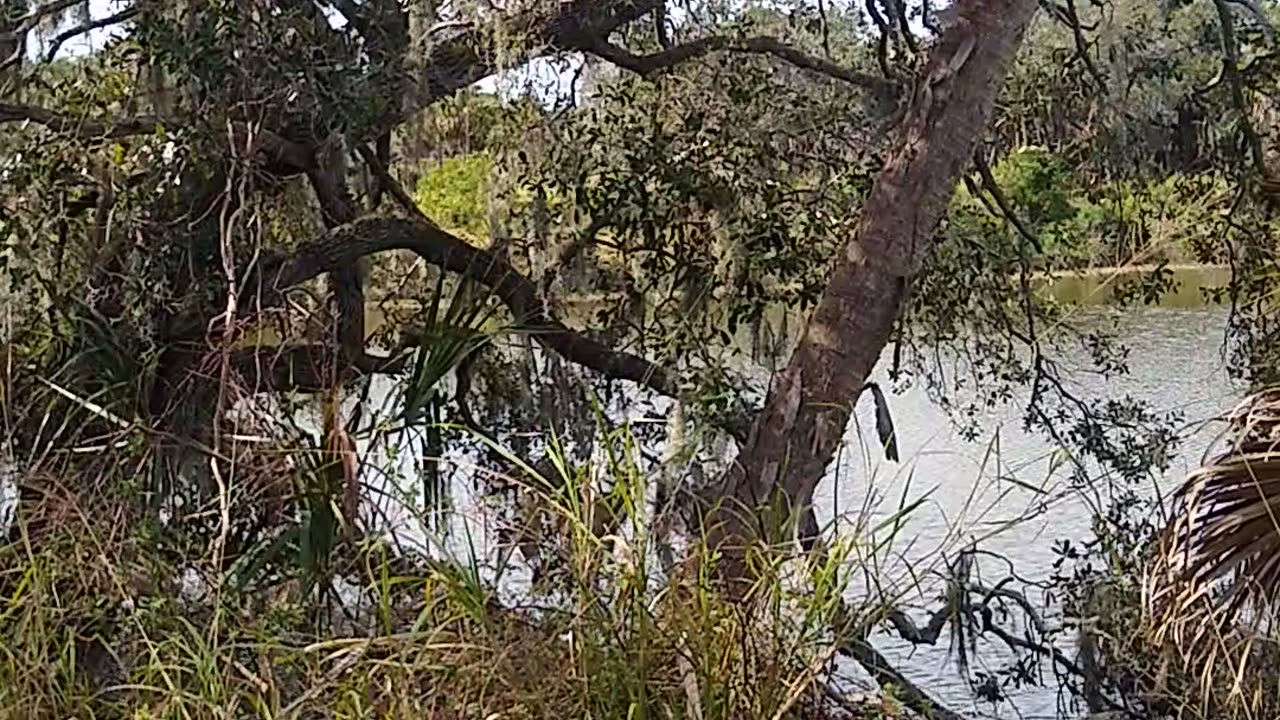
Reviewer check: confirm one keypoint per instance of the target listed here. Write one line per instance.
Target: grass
(106, 615)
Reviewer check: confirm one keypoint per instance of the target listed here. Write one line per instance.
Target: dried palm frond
(1222, 549)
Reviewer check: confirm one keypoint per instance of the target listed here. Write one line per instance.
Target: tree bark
(808, 407)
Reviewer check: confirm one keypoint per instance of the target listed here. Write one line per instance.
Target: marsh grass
(106, 610)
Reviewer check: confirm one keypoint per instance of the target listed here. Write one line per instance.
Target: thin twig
(1006, 208)
(658, 62)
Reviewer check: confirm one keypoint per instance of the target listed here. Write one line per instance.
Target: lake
(1175, 362)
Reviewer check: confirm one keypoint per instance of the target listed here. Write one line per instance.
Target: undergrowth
(107, 613)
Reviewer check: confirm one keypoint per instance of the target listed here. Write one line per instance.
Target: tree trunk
(808, 408)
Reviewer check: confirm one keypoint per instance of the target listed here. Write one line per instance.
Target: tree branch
(62, 37)
(914, 634)
(33, 16)
(1067, 15)
(1231, 71)
(22, 25)
(1003, 206)
(294, 155)
(344, 245)
(647, 65)
(79, 127)
(461, 58)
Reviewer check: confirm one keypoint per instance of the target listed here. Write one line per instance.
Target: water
(1176, 363)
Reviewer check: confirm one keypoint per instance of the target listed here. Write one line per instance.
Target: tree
(804, 418)
(222, 156)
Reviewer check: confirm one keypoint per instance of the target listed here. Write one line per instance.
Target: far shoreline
(1096, 285)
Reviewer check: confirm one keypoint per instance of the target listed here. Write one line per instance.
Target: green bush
(1038, 183)
(1174, 219)
(456, 194)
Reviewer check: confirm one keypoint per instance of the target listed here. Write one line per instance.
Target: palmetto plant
(1222, 550)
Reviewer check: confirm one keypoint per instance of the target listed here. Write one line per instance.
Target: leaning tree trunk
(805, 416)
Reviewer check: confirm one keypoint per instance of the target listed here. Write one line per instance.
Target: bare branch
(1013, 596)
(660, 26)
(882, 39)
(912, 633)
(1016, 643)
(65, 35)
(647, 65)
(1003, 206)
(886, 674)
(899, 13)
(1067, 15)
(16, 36)
(389, 183)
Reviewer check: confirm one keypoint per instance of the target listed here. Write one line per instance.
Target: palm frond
(1222, 549)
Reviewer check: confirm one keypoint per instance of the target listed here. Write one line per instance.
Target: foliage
(97, 626)
(670, 213)
(456, 194)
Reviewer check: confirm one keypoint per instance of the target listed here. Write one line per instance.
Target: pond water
(1176, 362)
